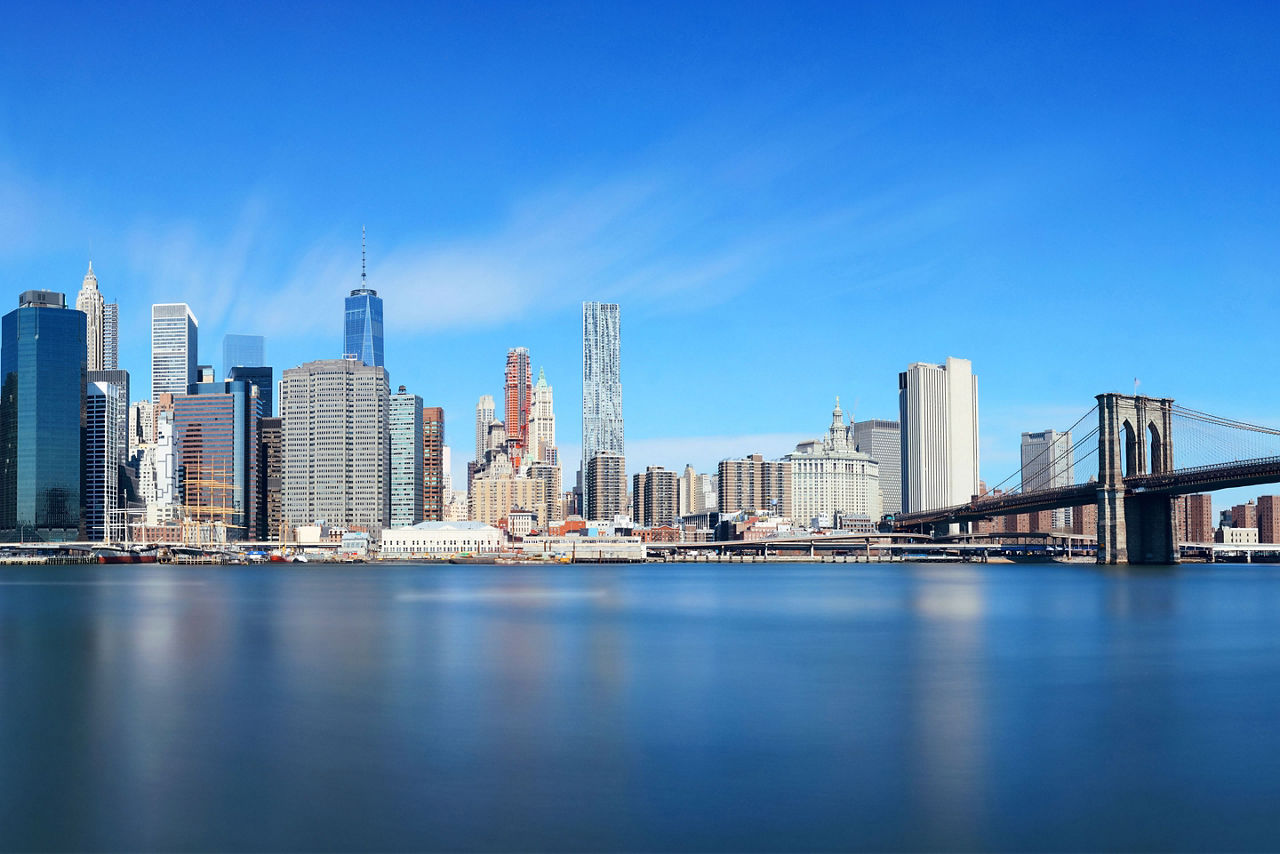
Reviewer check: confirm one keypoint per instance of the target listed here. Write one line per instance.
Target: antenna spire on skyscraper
(363, 255)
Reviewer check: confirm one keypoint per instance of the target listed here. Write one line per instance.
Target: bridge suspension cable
(1061, 455)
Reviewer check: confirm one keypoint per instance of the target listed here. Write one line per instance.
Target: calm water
(659, 707)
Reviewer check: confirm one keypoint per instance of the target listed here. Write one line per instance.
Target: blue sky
(790, 201)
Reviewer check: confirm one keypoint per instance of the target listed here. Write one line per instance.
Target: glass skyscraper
(174, 346)
(601, 385)
(216, 443)
(261, 376)
(363, 338)
(407, 448)
(43, 362)
(242, 351)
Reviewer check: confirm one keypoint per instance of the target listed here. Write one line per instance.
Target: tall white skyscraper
(938, 411)
(101, 325)
(601, 386)
(542, 421)
(174, 348)
(484, 417)
(405, 421)
(1048, 461)
(336, 445)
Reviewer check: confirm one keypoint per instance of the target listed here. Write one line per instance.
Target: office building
(938, 411)
(216, 444)
(119, 382)
(882, 440)
(435, 469)
(336, 445)
(518, 393)
(654, 496)
(542, 422)
(270, 460)
(407, 448)
(697, 493)
(174, 346)
(605, 490)
(242, 351)
(105, 414)
(831, 480)
(262, 376)
(102, 325)
(602, 428)
(142, 429)
(362, 339)
(43, 353)
(754, 485)
(1048, 462)
(205, 374)
(484, 417)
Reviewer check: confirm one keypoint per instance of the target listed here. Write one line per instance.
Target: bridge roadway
(1178, 482)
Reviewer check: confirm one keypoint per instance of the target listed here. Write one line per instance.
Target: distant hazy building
(484, 417)
(174, 346)
(754, 484)
(435, 466)
(263, 376)
(938, 410)
(602, 427)
(242, 351)
(605, 489)
(406, 459)
(102, 325)
(337, 445)
(831, 480)
(655, 495)
(1048, 462)
(883, 441)
(42, 364)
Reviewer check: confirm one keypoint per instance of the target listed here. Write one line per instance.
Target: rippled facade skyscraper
(601, 386)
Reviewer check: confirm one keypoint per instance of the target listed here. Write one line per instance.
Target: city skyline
(697, 219)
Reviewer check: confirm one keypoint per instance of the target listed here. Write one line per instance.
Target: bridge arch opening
(1157, 449)
(1130, 449)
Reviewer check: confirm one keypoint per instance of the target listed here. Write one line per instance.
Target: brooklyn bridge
(1137, 479)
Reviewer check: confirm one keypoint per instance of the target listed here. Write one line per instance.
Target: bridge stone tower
(1135, 437)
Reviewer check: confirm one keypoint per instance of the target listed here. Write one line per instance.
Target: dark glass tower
(43, 364)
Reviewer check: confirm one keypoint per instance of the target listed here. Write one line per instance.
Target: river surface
(660, 707)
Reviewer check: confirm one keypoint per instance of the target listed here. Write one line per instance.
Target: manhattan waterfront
(674, 707)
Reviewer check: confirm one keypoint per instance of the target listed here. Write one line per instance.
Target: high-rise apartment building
(697, 492)
(216, 443)
(337, 444)
(242, 351)
(484, 417)
(518, 393)
(1268, 515)
(605, 490)
(602, 428)
(541, 443)
(882, 440)
(435, 466)
(407, 449)
(1048, 462)
(105, 409)
(754, 484)
(549, 474)
(174, 346)
(270, 459)
(1195, 518)
(102, 325)
(938, 411)
(1244, 515)
(654, 493)
(43, 353)
(832, 480)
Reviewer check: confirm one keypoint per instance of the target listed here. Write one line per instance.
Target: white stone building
(831, 478)
(938, 411)
(441, 539)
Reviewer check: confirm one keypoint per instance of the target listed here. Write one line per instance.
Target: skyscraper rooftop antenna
(363, 255)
